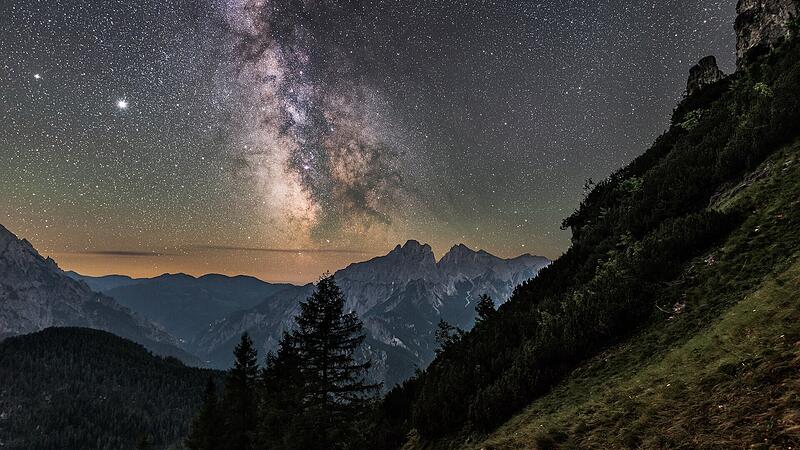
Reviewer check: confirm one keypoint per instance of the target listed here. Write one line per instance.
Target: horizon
(81, 267)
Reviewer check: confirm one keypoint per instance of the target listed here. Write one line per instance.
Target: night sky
(284, 138)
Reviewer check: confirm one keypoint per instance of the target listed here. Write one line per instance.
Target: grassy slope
(723, 372)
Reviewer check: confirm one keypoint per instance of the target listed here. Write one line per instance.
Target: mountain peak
(412, 248)
(37, 294)
(461, 248)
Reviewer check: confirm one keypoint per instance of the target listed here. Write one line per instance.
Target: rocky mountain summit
(761, 25)
(702, 74)
(35, 294)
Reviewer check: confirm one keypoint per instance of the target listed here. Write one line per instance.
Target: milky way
(307, 133)
(283, 138)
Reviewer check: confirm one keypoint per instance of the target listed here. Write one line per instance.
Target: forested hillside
(661, 250)
(76, 388)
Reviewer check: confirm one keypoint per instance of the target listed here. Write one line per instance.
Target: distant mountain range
(400, 297)
(181, 303)
(35, 294)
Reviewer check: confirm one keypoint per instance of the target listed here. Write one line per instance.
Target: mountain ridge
(400, 297)
(36, 294)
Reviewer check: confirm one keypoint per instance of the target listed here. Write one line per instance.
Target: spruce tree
(446, 335)
(206, 427)
(239, 401)
(281, 399)
(334, 382)
(484, 308)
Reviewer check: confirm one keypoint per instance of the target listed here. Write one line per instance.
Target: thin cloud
(119, 253)
(282, 250)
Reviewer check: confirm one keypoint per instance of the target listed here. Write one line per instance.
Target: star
(122, 104)
(37, 76)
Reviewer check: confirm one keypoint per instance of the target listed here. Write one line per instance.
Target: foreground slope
(719, 366)
(76, 388)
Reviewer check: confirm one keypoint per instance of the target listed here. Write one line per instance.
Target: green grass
(721, 372)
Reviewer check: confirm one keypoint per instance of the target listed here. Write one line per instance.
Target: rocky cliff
(702, 74)
(400, 296)
(761, 25)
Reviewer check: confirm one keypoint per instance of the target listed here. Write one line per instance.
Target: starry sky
(283, 138)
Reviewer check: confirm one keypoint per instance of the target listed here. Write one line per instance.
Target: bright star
(122, 104)
(37, 76)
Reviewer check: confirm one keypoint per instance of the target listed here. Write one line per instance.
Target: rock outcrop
(761, 25)
(702, 74)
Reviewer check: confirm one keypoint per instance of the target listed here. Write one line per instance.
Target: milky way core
(309, 136)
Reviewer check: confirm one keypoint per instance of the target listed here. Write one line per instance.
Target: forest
(83, 388)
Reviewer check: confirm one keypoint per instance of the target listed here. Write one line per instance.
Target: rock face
(702, 74)
(35, 294)
(761, 25)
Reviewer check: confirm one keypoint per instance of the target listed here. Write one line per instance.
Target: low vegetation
(719, 368)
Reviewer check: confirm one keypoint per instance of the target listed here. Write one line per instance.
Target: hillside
(671, 320)
(718, 368)
(82, 388)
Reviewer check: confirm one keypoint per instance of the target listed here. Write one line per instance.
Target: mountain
(35, 294)
(265, 323)
(400, 296)
(183, 304)
(103, 283)
(673, 320)
(70, 388)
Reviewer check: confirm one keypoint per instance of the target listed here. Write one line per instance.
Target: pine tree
(446, 335)
(484, 308)
(206, 426)
(239, 401)
(336, 391)
(281, 399)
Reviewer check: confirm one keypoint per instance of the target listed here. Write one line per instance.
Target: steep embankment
(719, 368)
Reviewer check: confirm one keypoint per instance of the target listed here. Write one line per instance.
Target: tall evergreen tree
(281, 399)
(206, 426)
(334, 382)
(239, 401)
(484, 309)
(446, 335)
